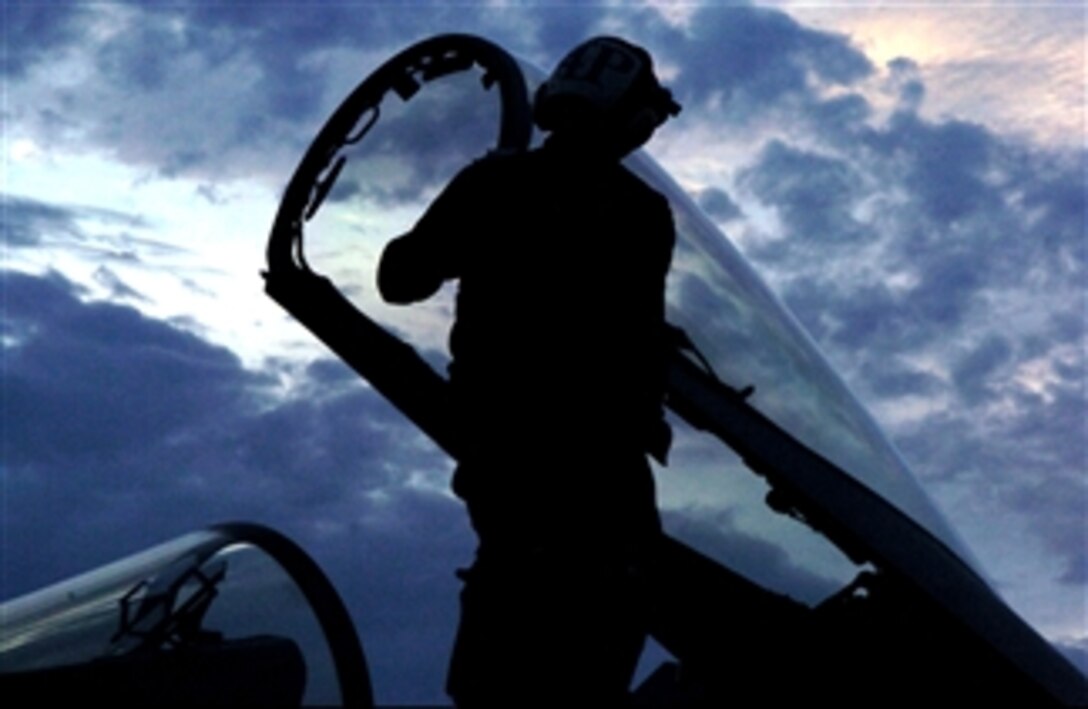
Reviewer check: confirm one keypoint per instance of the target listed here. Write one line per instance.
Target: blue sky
(910, 179)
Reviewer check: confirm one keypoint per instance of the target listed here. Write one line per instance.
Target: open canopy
(830, 496)
(404, 138)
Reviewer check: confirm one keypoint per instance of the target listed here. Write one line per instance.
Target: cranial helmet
(604, 84)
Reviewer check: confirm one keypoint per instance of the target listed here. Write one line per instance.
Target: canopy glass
(407, 151)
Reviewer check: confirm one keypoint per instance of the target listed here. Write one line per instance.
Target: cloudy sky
(908, 177)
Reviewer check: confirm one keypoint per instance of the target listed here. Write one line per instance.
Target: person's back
(557, 342)
(558, 377)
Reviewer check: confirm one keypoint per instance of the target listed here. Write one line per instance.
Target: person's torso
(561, 288)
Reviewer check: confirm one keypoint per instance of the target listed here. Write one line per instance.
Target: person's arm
(414, 265)
(408, 270)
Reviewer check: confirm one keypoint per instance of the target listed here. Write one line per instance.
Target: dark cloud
(556, 33)
(974, 372)
(89, 378)
(23, 221)
(1044, 449)
(756, 57)
(110, 417)
(841, 314)
(873, 314)
(717, 204)
(813, 193)
(1062, 528)
(891, 379)
(1056, 206)
(221, 90)
(35, 31)
(943, 164)
(838, 119)
(1022, 454)
(174, 68)
(907, 83)
(330, 373)
(271, 25)
(277, 38)
(167, 74)
(949, 285)
(962, 210)
(31, 223)
(142, 56)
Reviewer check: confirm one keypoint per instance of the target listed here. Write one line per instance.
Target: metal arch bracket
(404, 74)
(392, 367)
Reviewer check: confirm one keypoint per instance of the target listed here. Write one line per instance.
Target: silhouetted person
(558, 378)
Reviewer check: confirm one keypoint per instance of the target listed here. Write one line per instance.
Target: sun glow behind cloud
(1018, 67)
(183, 248)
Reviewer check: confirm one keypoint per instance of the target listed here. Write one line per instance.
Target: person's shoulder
(650, 209)
(499, 161)
(495, 168)
(644, 192)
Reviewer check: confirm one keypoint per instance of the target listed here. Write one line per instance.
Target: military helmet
(607, 83)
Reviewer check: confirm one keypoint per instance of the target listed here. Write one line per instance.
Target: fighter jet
(896, 604)
(750, 391)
